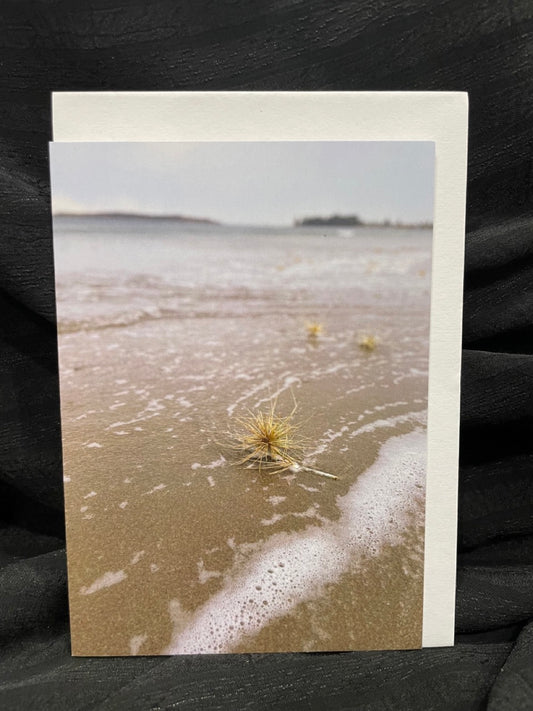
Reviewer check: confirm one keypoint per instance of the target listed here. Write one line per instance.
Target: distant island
(332, 221)
(356, 221)
(138, 216)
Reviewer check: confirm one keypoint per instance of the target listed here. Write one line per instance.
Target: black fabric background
(484, 48)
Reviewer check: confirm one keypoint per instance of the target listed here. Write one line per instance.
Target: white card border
(441, 117)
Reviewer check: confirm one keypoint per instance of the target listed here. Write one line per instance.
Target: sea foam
(105, 581)
(292, 568)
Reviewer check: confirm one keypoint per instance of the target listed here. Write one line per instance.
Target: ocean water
(118, 270)
(168, 333)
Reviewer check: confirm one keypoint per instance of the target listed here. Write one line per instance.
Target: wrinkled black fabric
(484, 48)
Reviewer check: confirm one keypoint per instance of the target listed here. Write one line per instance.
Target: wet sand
(159, 515)
(166, 339)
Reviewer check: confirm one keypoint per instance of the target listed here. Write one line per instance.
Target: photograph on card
(243, 335)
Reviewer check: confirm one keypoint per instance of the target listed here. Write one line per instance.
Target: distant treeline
(332, 221)
(356, 221)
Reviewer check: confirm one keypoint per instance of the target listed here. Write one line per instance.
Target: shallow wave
(106, 280)
(293, 568)
(130, 317)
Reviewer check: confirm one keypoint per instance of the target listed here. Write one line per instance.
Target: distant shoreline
(321, 222)
(356, 221)
(138, 216)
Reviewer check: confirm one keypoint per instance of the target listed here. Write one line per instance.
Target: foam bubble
(420, 417)
(105, 581)
(212, 465)
(275, 500)
(159, 487)
(272, 520)
(205, 575)
(309, 488)
(136, 643)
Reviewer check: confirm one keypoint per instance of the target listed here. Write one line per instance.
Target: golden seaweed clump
(314, 329)
(368, 343)
(268, 440)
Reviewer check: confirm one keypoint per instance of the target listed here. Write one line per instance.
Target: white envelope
(438, 117)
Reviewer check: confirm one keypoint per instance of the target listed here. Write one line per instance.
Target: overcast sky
(247, 183)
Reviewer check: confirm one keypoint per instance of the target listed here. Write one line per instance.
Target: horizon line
(385, 222)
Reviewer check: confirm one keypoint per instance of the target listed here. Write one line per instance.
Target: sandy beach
(174, 547)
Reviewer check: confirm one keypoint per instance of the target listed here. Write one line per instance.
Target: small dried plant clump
(268, 440)
(368, 343)
(314, 329)
(271, 442)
